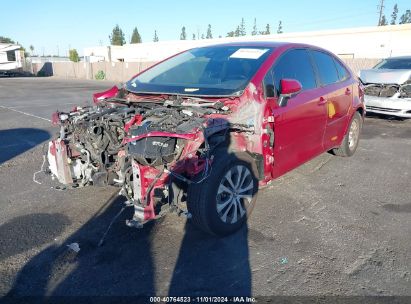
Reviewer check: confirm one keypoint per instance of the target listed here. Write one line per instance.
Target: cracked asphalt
(334, 226)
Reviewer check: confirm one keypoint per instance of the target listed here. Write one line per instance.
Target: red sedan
(199, 132)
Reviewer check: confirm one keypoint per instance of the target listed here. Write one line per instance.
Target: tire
(351, 138)
(215, 204)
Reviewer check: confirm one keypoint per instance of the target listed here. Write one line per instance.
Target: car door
(337, 89)
(298, 126)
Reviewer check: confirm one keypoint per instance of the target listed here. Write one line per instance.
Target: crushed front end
(151, 147)
(387, 92)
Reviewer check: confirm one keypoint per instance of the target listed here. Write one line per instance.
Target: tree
(73, 55)
(155, 39)
(383, 21)
(202, 36)
(117, 36)
(194, 36)
(254, 31)
(209, 34)
(230, 34)
(237, 32)
(135, 37)
(394, 14)
(267, 30)
(242, 31)
(183, 35)
(6, 40)
(406, 17)
(31, 49)
(280, 28)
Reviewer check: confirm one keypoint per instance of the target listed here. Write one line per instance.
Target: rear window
(342, 71)
(326, 67)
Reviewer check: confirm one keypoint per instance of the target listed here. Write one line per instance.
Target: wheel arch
(255, 160)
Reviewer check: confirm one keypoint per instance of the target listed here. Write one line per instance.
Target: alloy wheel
(235, 194)
(353, 134)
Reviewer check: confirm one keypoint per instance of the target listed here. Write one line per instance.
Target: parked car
(388, 87)
(200, 132)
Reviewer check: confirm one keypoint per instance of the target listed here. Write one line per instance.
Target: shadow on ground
(126, 265)
(395, 129)
(14, 142)
(28, 231)
(385, 117)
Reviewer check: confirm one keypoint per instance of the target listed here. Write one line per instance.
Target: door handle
(347, 91)
(322, 101)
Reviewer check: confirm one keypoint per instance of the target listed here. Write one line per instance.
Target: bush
(100, 75)
(73, 55)
(41, 74)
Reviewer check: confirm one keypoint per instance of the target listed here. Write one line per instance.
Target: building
(363, 42)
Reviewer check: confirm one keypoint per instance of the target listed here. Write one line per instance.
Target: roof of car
(260, 44)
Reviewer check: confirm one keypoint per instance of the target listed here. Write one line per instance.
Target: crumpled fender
(97, 97)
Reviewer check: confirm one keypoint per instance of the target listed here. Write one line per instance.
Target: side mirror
(288, 87)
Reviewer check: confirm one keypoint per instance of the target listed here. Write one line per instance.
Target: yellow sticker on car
(331, 110)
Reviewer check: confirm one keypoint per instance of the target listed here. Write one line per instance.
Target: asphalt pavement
(334, 226)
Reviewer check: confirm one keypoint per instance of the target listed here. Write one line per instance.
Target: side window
(342, 71)
(295, 64)
(269, 84)
(326, 67)
(11, 55)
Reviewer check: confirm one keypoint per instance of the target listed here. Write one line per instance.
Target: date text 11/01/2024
(200, 299)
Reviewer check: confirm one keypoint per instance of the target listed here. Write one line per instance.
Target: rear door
(337, 88)
(298, 126)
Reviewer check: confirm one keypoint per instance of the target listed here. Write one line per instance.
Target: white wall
(365, 42)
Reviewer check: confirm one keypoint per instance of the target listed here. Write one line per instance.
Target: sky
(54, 26)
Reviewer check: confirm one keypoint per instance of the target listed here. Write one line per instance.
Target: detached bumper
(393, 106)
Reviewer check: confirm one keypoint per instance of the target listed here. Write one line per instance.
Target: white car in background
(388, 87)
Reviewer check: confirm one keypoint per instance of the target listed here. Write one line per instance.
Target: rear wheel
(221, 204)
(351, 138)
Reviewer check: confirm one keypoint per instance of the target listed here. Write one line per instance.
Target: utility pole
(381, 7)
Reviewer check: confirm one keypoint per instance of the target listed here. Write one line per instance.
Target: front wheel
(351, 138)
(221, 204)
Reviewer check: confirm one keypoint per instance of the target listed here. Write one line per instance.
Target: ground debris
(74, 246)
(361, 262)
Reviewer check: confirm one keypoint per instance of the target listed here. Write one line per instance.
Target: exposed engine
(92, 137)
(158, 150)
(95, 140)
(97, 144)
(388, 90)
(144, 146)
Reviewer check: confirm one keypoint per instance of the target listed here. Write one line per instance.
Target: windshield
(207, 71)
(395, 63)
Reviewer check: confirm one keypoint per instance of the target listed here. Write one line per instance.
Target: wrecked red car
(200, 132)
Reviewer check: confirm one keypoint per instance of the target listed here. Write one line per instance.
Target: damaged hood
(385, 76)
